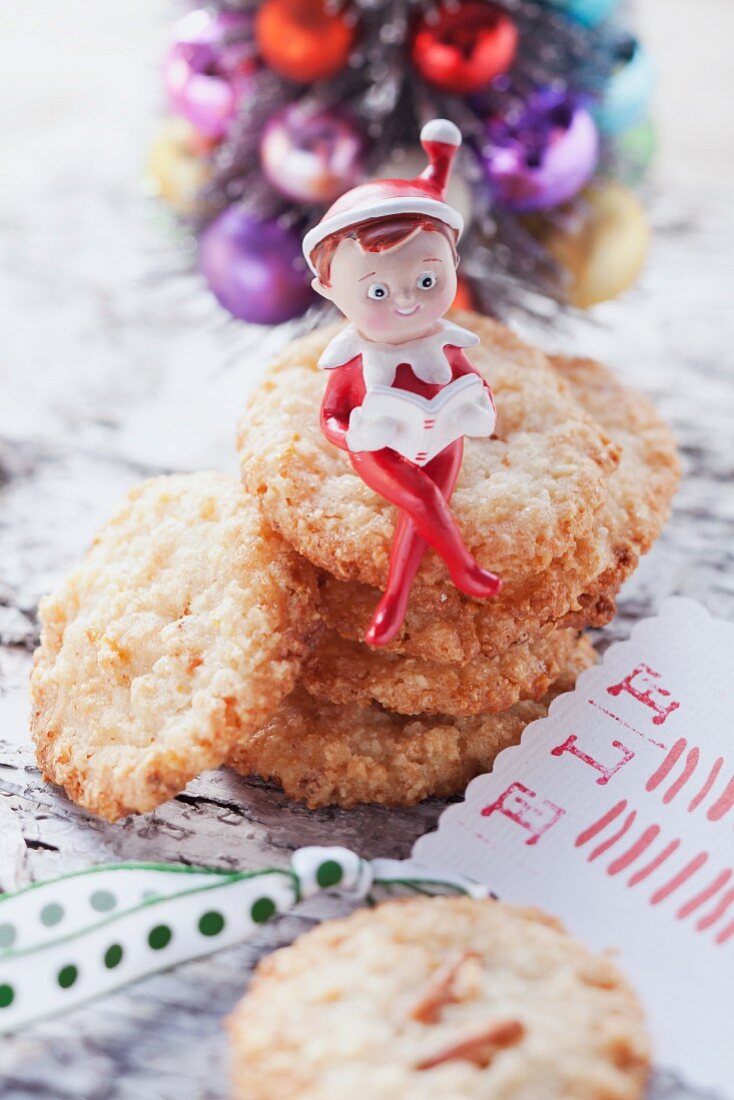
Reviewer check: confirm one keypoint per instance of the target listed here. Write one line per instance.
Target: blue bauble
(588, 12)
(626, 99)
(254, 268)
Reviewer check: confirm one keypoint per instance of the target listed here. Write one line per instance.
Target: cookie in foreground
(439, 997)
(181, 631)
(331, 754)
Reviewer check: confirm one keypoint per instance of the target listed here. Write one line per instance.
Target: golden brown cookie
(438, 998)
(327, 754)
(579, 587)
(525, 496)
(182, 630)
(350, 672)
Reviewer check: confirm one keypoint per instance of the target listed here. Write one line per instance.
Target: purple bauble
(540, 154)
(312, 155)
(255, 268)
(209, 69)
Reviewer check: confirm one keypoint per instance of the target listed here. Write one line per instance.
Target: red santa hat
(381, 198)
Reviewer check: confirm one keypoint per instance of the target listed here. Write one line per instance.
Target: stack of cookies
(215, 622)
(573, 487)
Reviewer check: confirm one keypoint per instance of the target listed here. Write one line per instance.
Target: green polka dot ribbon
(84, 934)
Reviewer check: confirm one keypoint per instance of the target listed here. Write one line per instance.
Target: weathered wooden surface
(114, 365)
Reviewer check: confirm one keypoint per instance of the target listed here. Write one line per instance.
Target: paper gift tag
(616, 813)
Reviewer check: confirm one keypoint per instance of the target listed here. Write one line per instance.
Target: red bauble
(303, 40)
(465, 46)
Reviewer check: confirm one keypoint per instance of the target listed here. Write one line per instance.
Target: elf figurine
(401, 392)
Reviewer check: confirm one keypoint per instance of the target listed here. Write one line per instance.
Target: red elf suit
(401, 410)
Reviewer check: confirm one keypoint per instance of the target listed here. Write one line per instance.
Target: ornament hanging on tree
(209, 68)
(627, 97)
(587, 12)
(177, 165)
(254, 268)
(463, 298)
(304, 40)
(636, 148)
(601, 242)
(463, 46)
(312, 155)
(541, 154)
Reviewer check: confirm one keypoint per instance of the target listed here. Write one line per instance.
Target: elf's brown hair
(377, 235)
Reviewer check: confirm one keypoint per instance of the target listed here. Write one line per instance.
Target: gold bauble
(177, 167)
(602, 242)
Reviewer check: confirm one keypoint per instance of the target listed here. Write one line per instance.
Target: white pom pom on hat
(443, 130)
(426, 194)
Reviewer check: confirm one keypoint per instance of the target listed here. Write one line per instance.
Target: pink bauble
(312, 156)
(209, 69)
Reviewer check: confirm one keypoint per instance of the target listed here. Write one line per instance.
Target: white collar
(425, 356)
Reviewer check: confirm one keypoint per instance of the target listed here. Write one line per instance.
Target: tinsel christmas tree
(278, 107)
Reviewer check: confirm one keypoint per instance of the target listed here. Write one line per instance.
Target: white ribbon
(84, 934)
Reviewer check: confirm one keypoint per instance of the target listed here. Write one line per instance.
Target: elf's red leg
(412, 489)
(407, 552)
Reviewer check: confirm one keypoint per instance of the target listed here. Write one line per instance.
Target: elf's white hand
(367, 434)
(479, 418)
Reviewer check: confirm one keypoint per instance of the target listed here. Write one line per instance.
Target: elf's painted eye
(427, 280)
(378, 292)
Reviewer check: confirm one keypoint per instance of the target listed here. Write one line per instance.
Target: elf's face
(394, 295)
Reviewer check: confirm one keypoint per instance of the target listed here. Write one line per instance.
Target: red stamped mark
(640, 684)
(523, 806)
(606, 819)
(704, 895)
(725, 934)
(707, 785)
(716, 913)
(662, 773)
(607, 770)
(627, 726)
(724, 801)
(690, 767)
(601, 824)
(612, 840)
(636, 849)
(657, 861)
(634, 852)
(673, 884)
